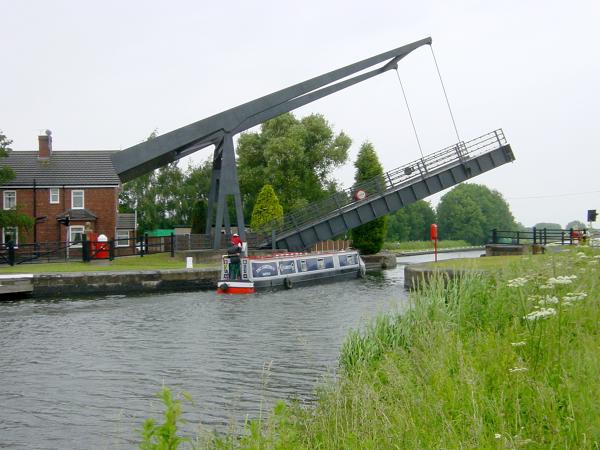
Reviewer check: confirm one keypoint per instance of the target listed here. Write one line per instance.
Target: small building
(63, 191)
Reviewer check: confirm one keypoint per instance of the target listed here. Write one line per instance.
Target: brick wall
(100, 201)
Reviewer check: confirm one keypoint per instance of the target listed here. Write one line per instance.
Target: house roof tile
(63, 168)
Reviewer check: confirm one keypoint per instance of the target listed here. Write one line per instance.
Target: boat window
(311, 264)
(347, 260)
(302, 266)
(286, 267)
(263, 269)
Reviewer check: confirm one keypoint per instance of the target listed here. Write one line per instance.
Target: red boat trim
(237, 290)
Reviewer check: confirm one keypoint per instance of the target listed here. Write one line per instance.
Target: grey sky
(103, 75)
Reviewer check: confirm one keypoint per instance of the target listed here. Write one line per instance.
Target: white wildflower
(574, 296)
(517, 369)
(541, 314)
(593, 261)
(597, 257)
(518, 344)
(581, 255)
(546, 286)
(498, 436)
(547, 300)
(562, 279)
(517, 282)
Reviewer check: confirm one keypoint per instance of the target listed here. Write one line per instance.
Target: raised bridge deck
(339, 213)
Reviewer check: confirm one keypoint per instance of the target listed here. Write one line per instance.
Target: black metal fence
(85, 250)
(542, 236)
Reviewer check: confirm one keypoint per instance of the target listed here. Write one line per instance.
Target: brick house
(53, 186)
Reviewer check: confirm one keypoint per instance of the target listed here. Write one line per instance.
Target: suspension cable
(409, 113)
(445, 95)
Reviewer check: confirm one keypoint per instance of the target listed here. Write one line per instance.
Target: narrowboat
(288, 270)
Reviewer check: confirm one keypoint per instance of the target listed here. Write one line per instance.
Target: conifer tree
(267, 211)
(369, 238)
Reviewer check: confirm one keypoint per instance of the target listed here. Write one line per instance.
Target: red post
(433, 234)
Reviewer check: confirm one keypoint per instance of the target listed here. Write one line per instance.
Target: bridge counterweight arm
(146, 156)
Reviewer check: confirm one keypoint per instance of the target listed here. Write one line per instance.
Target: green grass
(423, 245)
(465, 367)
(148, 262)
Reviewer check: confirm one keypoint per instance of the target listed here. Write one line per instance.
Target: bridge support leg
(223, 184)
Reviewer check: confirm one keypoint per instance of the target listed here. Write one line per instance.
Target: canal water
(82, 373)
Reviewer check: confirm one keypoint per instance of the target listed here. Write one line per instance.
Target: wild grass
(409, 246)
(148, 262)
(509, 359)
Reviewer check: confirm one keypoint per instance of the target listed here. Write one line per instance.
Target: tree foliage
(471, 211)
(267, 210)
(166, 196)
(411, 223)
(296, 157)
(548, 226)
(369, 238)
(11, 218)
(6, 173)
(576, 225)
(199, 217)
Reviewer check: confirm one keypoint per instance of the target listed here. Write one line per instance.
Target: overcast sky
(104, 75)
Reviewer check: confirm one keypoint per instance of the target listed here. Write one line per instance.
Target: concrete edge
(87, 283)
(416, 275)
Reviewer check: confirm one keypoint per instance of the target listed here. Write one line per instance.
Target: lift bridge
(334, 215)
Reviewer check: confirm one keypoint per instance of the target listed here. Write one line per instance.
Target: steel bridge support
(224, 183)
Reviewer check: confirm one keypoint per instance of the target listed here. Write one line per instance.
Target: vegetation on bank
(156, 261)
(417, 246)
(504, 360)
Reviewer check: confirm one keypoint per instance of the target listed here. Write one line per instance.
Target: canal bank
(60, 284)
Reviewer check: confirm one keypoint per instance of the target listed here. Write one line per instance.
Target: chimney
(45, 145)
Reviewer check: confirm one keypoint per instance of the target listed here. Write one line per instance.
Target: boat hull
(288, 270)
(235, 287)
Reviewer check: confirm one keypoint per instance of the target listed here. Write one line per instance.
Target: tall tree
(548, 226)
(369, 238)
(296, 157)
(166, 196)
(411, 223)
(471, 212)
(267, 210)
(199, 217)
(11, 217)
(576, 225)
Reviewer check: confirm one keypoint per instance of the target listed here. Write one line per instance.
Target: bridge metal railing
(420, 168)
(542, 236)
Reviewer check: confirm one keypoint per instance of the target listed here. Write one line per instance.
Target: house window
(10, 234)
(77, 200)
(54, 195)
(10, 199)
(76, 235)
(122, 238)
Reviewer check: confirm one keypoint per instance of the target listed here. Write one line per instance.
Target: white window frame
(78, 229)
(6, 201)
(82, 199)
(16, 230)
(122, 241)
(54, 192)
